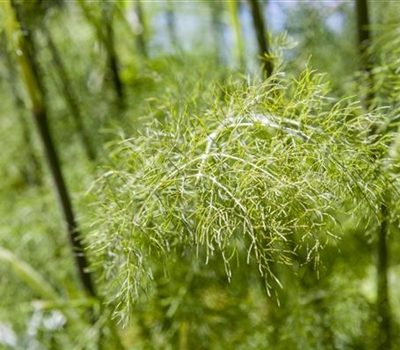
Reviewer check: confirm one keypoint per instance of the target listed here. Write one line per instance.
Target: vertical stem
(141, 36)
(111, 53)
(33, 86)
(70, 97)
(69, 217)
(364, 38)
(262, 38)
(383, 302)
(234, 15)
(33, 168)
(363, 24)
(106, 36)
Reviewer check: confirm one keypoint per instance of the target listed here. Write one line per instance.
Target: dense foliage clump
(266, 172)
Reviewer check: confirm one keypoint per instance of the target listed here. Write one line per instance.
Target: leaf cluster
(263, 174)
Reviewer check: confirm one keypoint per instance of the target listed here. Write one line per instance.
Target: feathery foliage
(263, 172)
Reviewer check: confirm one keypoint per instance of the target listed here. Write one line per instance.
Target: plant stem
(70, 97)
(111, 53)
(262, 39)
(141, 36)
(105, 35)
(233, 13)
(364, 38)
(383, 303)
(33, 86)
(363, 24)
(33, 168)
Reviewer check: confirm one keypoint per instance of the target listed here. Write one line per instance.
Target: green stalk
(383, 301)
(33, 87)
(141, 36)
(382, 268)
(106, 36)
(111, 52)
(262, 37)
(37, 283)
(29, 275)
(70, 97)
(33, 170)
(234, 17)
(364, 40)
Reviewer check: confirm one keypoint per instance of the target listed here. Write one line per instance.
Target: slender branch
(70, 97)
(141, 35)
(364, 39)
(234, 16)
(262, 38)
(363, 25)
(112, 55)
(33, 168)
(106, 36)
(383, 301)
(34, 88)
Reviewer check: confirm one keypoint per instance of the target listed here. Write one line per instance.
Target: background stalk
(262, 38)
(27, 65)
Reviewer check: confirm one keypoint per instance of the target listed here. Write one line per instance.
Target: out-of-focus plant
(102, 22)
(233, 10)
(262, 37)
(326, 36)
